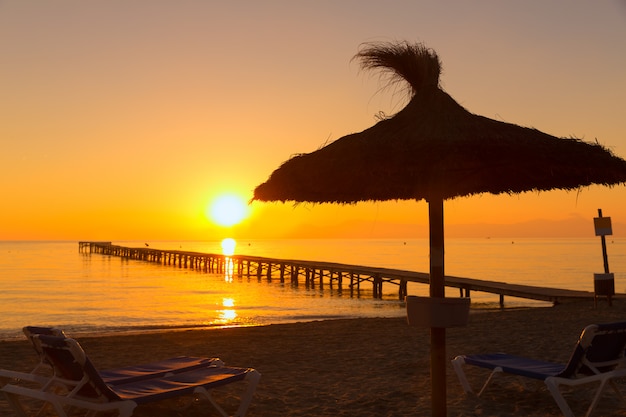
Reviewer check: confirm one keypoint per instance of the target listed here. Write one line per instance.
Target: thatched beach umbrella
(434, 149)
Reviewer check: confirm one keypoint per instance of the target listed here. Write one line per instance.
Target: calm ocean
(52, 283)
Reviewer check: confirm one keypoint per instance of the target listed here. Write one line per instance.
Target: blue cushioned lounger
(84, 388)
(164, 367)
(517, 365)
(597, 357)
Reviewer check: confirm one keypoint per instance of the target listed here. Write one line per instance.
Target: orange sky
(124, 120)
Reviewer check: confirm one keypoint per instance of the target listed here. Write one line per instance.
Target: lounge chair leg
(457, 364)
(553, 387)
(207, 394)
(488, 381)
(596, 397)
(252, 380)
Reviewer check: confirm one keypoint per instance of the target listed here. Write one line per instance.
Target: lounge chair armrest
(617, 373)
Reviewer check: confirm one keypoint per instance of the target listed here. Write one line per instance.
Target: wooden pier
(314, 274)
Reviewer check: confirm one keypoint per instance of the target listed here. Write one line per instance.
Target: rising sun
(228, 210)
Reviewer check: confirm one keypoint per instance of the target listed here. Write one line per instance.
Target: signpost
(603, 284)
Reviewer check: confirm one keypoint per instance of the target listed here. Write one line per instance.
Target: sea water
(52, 283)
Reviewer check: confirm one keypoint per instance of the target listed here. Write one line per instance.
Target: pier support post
(402, 290)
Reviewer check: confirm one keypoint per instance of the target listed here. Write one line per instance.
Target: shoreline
(139, 330)
(366, 366)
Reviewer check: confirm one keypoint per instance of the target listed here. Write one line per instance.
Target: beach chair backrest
(30, 331)
(600, 348)
(70, 363)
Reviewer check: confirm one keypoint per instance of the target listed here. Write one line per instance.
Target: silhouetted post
(437, 290)
(604, 284)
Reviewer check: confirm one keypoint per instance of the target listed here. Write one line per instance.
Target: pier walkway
(320, 274)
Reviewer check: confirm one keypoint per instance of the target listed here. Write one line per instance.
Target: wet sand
(363, 367)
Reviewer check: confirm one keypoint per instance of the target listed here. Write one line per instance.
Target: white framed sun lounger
(83, 387)
(597, 358)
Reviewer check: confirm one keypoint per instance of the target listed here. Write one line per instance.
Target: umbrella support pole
(437, 290)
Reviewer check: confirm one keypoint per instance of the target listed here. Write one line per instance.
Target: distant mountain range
(570, 227)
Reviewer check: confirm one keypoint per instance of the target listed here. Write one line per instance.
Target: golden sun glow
(228, 210)
(228, 246)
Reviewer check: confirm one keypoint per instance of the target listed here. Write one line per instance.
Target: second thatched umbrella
(434, 149)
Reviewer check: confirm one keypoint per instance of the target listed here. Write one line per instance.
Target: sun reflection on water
(228, 314)
(228, 249)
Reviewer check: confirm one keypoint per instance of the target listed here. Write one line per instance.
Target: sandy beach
(363, 367)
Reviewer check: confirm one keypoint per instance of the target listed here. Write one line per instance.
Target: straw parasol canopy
(434, 149)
